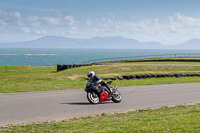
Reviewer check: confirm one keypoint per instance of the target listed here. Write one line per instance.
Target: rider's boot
(112, 91)
(115, 88)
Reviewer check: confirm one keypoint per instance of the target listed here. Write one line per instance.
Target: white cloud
(70, 20)
(184, 20)
(3, 23)
(184, 26)
(111, 15)
(10, 18)
(25, 29)
(14, 23)
(130, 25)
(43, 32)
(88, 22)
(51, 20)
(173, 29)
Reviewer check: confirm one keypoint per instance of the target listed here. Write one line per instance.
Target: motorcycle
(99, 93)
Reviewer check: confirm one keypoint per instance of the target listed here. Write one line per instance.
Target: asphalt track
(26, 107)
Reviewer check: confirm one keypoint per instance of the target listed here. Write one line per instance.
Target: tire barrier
(61, 67)
(119, 78)
(126, 77)
(133, 77)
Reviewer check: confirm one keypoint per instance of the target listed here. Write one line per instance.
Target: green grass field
(30, 78)
(165, 119)
(179, 119)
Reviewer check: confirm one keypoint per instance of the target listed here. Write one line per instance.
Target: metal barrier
(141, 57)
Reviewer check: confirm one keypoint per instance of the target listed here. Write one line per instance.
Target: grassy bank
(30, 78)
(184, 118)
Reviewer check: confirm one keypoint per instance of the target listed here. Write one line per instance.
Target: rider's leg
(107, 86)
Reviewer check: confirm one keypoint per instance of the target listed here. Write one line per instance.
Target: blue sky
(165, 21)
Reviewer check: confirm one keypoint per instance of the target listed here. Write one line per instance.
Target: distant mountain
(119, 42)
(113, 42)
(116, 42)
(46, 42)
(191, 44)
(153, 45)
(55, 41)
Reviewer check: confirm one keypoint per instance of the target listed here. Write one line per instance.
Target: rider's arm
(98, 79)
(89, 84)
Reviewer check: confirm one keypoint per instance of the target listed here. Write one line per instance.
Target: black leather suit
(97, 80)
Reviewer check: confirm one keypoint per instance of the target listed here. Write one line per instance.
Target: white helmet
(90, 74)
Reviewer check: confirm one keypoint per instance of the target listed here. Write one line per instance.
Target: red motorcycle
(99, 93)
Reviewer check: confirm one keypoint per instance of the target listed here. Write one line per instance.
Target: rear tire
(117, 98)
(93, 97)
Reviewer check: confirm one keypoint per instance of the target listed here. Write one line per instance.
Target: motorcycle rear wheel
(117, 98)
(93, 97)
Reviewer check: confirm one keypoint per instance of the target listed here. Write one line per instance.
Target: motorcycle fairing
(104, 97)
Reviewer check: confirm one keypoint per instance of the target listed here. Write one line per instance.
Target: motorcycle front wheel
(93, 97)
(117, 98)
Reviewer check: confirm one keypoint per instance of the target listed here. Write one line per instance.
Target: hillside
(116, 42)
(96, 42)
(191, 44)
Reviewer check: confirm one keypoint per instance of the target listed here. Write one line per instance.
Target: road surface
(26, 107)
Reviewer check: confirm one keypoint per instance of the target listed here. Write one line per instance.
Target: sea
(52, 57)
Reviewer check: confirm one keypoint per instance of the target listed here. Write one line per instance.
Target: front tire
(117, 98)
(93, 97)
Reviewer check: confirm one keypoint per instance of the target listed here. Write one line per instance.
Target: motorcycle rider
(94, 79)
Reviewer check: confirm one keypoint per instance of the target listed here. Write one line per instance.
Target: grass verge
(30, 78)
(182, 118)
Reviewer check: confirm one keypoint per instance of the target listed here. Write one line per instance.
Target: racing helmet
(90, 74)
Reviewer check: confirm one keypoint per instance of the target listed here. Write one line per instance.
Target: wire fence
(141, 57)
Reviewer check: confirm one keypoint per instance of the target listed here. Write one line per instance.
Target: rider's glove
(98, 82)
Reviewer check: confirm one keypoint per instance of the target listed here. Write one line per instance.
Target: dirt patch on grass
(109, 75)
(75, 77)
(124, 68)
